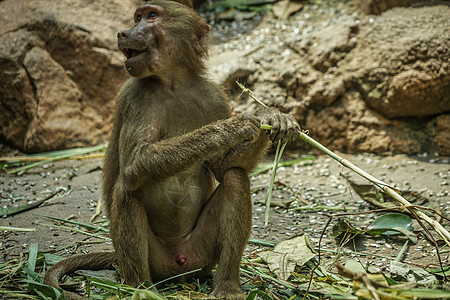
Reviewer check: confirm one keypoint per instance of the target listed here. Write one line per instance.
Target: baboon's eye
(152, 15)
(137, 19)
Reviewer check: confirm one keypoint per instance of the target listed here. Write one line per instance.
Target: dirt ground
(76, 188)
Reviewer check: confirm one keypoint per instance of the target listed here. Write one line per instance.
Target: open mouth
(130, 53)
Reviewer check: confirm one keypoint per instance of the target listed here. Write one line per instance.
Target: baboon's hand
(284, 126)
(247, 127)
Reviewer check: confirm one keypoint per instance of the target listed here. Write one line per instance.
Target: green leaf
(389, 280)
(393, 231)
(45, 291)
(439, 271)
(391, 221)
(31, 275)
(392, 224)
(252, 296)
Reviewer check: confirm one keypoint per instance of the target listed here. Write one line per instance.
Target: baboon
(175, 177)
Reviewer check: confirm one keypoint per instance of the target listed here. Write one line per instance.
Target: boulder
(403, 68)
(59, 71)
(358, 83)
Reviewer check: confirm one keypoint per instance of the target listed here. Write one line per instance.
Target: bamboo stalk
(443, 233)
(341, 160)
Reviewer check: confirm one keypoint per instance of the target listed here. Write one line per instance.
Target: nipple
(180, 258)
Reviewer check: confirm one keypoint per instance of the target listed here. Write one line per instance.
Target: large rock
(358, 83)
(403, 68)
(59, 71)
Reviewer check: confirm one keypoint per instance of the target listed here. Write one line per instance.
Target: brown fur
(173, 136)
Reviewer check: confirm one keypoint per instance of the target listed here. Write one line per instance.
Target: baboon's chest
(174, 204)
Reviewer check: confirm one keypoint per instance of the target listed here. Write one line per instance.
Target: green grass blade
(260, 242)
(87, 226)
(10, 211)
(278, 154)
(16, 229)
(55, 156)
(266, 167)
(32, 257)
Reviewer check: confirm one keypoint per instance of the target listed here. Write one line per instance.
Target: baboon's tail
(91, 261)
